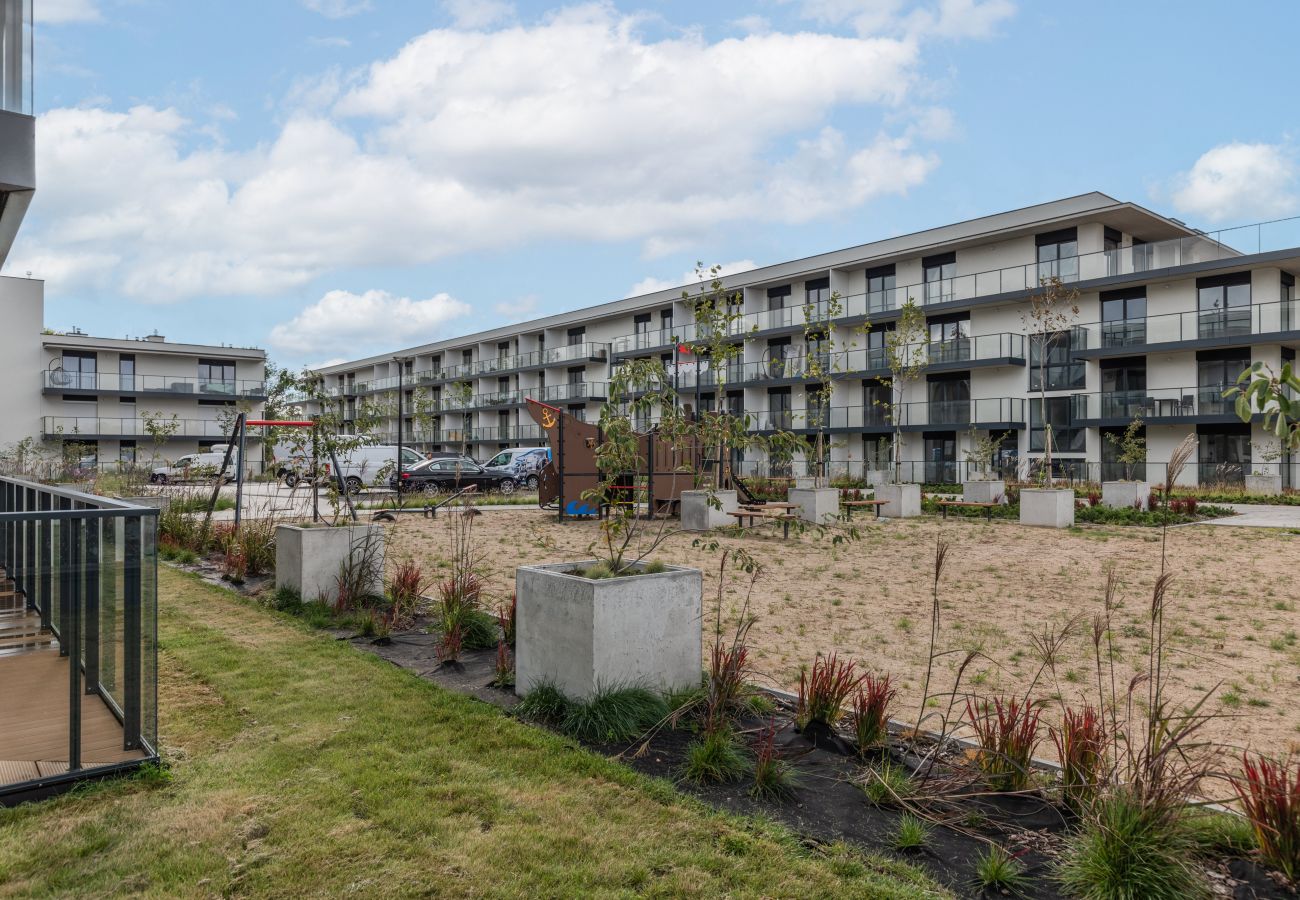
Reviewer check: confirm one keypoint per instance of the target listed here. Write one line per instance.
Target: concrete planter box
(992, 491)
(1047, 507)
(816, 505)
(877, 477)
(902, 501)
(1126, 494)
(308, 559)
(1263, 484)
(579, 633)
(804, 481)
(700, 515)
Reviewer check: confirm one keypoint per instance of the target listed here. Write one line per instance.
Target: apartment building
(1168, 317)
(118, 400)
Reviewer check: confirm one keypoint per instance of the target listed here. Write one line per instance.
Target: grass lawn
(300, 767)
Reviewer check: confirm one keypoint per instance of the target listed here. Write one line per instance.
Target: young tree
(820, 366)
(1132, 447)
(907, 354)
(159, 428)
(983, 449)
(1052, 310)
(457, 397)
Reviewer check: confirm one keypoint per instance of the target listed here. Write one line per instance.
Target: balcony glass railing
(1154, 403)
(90, 426)
(572, 392)
(1237, 321)
(502, 434)
(574, 353)
(62, 380)
(945, 414)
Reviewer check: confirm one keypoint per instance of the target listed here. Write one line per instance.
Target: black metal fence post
(44, 569)
(89, 575)
(131, 625)
(70, 641)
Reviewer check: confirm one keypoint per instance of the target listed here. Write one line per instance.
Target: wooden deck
(34, 711)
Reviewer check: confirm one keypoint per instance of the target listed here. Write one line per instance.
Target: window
(876, 357)
(778, 352)
(941, 457)
(1216, 371)
(577, 374)
(126, 452)
(466, 357)
(216, 376)
(1224, 453)
(577, 335)
(779, 415)
(949, 397)
(1060, 370)
(641, 327)
(666, 322)
(1111, 241)
(1290, 317)
(876, 398)
(817, 407)
(880, 288)
(1124, 317)
(78, 371)
(1058, 254)
(939, 270)
(817, 296)
(1111, 468)
(1066, 436)
(126, 372)
(1224, 305)
(1123, 387)
(950, 338)
(579, 412)
(778, 302)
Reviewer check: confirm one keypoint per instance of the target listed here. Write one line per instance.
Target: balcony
(1162, 405)
(78, 638)
(987, 412)
(92, 428)
(1222, 326)
(60, 381)
(573, 392)
(588, 352)
(506, 434)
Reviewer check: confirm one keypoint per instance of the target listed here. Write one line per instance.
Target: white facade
(118, 399)
(1167, 317)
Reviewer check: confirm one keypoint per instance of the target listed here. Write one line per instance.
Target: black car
(448, 475)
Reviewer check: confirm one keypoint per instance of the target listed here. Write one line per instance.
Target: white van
(371, 466)
(198, 466)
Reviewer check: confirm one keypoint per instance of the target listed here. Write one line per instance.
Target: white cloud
(342, 321)
(951, 19)
(1239, 181)
(475, 14)
(337, 9)
(63, 12)
(689, 280)
(329, 41)
(516, 310)
(573, 128)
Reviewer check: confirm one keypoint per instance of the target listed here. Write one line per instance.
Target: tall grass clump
(774, 778)
(824, 690)
(613, 714)
(871, 712)
(1082, 746)
(1006, 730)
(1270, 796)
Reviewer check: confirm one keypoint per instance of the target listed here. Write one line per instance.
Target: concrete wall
(23, 303)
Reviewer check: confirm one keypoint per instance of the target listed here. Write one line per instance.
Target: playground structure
(573, 482)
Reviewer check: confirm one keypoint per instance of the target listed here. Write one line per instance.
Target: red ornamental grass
(824, 690)
(506, 619)
(1270, 796)
(773, 779)
(727, 669)
(407, 582)
(1007, 732)
(871, 711)
(1081, 743)
(1094, 498)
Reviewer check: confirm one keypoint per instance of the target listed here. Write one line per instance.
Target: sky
(331, 179)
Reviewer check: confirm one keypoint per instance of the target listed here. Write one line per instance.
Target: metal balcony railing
(63, 380)
(90, 427)
(572, 392)
(78, 598)
(1236, 321)
(1153, 403)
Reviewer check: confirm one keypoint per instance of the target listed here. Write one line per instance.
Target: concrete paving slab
(1258, 515)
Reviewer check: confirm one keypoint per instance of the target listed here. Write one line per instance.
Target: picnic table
(756, 514)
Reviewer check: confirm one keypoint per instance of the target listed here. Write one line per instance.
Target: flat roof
(144, 345)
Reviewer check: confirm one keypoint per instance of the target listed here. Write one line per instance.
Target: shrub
(1128, 849)
(871, 711)
(714, 758)
(186, 556)
(774, 779)
(888, 785)
(544, 703)
(1094, 498)
(824, 691)
(1081, 745)
(613, 714)
(1007, 733)
(234, 566)
(912, 833)
(358, 575)
(256, 542)
(1270, 796)
(405, 590)
(286, 599)
(998, 870)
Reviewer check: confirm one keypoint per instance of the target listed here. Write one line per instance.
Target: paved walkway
(1257, 515)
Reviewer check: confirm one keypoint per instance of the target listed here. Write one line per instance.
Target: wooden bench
(851, 505)
(987, 507)
(754, 515)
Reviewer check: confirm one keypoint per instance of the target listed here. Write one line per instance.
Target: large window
(817, 296)
(778, 301)
(1216, 371)
(1123, 388)
(126, 372)
(1066, 436)
(779, 415)
(950, 338)
(577, 335)
(1290, 317)
(875, 347)
(940, 270)
(941, 457)
(1124, 317)
(1111, 241)
(778, 352)
(1111, 468)
(876, 398)
(78, 371)
(1058, 255)
(1224, 453)
(949, 398)
(216, 376)
(880, 289)
(1224, 305)
(1059, 369)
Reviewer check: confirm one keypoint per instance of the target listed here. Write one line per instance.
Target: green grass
(998, 870)
(886, 785)
(199, 503)
(912, 833)
(613, 714)
(715, 758)
(300, 766)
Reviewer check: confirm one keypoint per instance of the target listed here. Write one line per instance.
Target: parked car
(372, 466)
(447, 475)
(196, 466)
(521, 463)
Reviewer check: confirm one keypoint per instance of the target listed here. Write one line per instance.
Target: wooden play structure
(572, 470)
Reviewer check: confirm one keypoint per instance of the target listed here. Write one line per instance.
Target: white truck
(201, 466)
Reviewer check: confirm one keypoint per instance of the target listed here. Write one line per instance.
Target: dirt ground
(1232, 609)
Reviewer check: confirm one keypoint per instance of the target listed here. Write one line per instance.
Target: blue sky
(334, 178)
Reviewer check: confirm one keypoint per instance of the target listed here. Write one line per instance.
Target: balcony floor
(34, 718)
